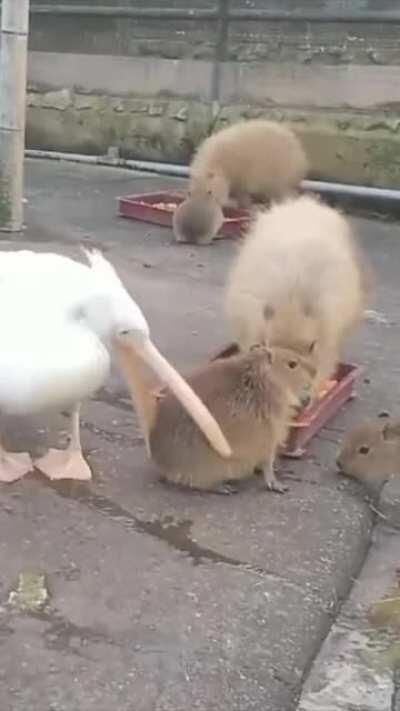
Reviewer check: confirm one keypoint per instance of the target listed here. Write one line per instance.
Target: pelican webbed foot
(14, 465)
(66, 463)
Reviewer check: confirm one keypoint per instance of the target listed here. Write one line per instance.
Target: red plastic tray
(313, 418)
(142, 207)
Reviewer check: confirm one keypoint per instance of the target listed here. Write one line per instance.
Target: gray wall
(154, 77)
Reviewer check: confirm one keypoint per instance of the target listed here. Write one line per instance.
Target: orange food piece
(328, 385)
(169, 206)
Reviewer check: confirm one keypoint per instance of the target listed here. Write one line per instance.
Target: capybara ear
(269, 353)
(391, 431)
(265, 349)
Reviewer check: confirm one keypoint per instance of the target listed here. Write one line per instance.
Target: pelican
(60, 323)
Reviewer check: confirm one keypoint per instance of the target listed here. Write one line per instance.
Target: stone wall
(155, 77)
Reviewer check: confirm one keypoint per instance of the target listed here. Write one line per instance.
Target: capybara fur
(253, 397)
(250, 161)
(298, 282)
(370, 452)
(197, 220)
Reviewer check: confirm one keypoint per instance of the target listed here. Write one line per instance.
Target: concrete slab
(163, 599)
(357, 668)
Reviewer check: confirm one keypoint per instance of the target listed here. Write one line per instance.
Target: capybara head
(292, 325)
(371, 451)
(294, 372)
(210, 184)
(197, 220)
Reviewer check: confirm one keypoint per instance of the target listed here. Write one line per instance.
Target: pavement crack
(279, 677)
(61, 634)
(110, 436)
(168, 530)
(107, 435)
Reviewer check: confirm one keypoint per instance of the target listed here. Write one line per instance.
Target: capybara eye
(363, 449)
(292, 364)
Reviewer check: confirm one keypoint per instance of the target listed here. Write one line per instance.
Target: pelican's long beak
(181, 389)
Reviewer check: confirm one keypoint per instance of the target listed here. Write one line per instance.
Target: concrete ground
(161, 599)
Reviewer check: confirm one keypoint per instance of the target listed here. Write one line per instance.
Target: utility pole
(13, 62)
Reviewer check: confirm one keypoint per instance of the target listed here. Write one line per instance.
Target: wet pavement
(161, 599)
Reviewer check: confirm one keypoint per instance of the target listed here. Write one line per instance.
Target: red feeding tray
(314, 417)
(146, 207)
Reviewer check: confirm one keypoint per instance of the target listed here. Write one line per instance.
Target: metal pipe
(264, 14)
(179, 171)
(182, 171)
(164, 13)
(55, 155)
(298, 15)
(348, 190)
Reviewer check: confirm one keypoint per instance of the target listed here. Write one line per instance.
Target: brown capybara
(252, 397)
(370, 452)
(249, 161)
(197, 220)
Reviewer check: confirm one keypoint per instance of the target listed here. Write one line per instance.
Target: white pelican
(59, 322)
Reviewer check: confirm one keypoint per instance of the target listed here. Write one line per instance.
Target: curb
(389, 503)
(358, 666)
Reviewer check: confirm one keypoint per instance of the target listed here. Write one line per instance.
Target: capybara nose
(305, 399)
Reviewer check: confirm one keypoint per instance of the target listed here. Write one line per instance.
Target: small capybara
(298, 282)
(370, 452)
(197, 220)
(252, 396)
(249, 161)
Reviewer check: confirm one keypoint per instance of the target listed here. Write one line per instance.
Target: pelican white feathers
(60, 320)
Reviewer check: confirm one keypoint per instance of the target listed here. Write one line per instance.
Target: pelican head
(119, 320)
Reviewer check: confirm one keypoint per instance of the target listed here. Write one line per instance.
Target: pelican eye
(124, 332)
